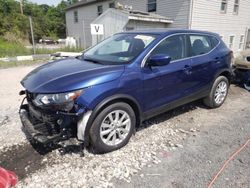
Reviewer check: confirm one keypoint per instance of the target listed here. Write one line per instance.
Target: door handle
(187, 69)
(217, 60)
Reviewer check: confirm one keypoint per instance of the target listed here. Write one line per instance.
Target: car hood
(68, 75)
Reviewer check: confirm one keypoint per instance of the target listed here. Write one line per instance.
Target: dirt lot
(181, 148)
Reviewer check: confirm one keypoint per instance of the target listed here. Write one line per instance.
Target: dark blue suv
(102, 96)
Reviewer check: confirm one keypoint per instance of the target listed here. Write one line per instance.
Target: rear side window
(214, 41)
(200, 44)
(173, 46)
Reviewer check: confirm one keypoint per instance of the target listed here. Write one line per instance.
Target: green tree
(48, 20)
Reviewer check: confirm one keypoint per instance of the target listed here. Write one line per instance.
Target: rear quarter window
(214, 41)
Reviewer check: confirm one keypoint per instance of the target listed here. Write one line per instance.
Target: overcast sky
(48, 2)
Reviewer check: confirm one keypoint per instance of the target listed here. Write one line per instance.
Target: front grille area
(45, 123)
(47, 129)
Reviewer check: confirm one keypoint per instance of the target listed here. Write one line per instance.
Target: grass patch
(10, 64)
(11, 49)
(51, 51)
(8, 49)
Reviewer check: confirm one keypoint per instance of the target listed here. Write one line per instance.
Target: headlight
(57, 99)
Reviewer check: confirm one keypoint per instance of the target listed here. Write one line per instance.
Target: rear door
(202, 59)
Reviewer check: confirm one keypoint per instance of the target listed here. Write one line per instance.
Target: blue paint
(150, 87)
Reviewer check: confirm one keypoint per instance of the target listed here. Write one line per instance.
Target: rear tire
(218, 93)
(112, 128)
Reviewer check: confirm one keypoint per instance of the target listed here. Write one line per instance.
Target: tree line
(48, 21)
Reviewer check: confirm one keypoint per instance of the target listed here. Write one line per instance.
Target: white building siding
(86, 15)
(177, 10)
(206, 15)
(118, 20)
(136, 4)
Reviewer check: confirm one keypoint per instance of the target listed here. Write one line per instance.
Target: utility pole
(32, 35)
(21, 6)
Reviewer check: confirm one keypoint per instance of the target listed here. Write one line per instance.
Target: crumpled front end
(50, 124)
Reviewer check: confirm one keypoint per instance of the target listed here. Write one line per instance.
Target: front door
(165, 84)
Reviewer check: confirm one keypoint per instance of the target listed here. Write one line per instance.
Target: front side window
(231, 42)
(173, 47)
(223, 7)
(200, 44)
(151, 5)
(99, 10)
(236, 6)
(76, 16)
(119, 49)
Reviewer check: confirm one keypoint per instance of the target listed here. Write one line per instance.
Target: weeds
(21, 63)
(8, 49)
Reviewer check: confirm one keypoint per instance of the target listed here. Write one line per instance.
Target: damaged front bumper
(51, 127)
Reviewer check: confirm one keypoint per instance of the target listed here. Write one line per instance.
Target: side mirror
(159, 60)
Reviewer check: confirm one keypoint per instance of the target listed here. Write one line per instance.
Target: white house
(229, 18)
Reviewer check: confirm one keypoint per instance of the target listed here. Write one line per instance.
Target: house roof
(132, 14)
(136, 15)
(82, 3)
(145, 16)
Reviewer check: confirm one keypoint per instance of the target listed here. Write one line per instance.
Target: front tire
(218, 93)
(112, 128)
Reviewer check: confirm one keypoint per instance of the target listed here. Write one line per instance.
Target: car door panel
(201, 62)
(165, 84)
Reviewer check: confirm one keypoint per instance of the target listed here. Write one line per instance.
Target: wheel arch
(108, 101)
(227, 74)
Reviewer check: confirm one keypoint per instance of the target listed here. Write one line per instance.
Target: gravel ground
(181, 148)
(10, 101)
(221, 133)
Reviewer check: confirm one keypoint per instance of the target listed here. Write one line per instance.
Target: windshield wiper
(92, 60)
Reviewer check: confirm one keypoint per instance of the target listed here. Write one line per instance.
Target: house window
(236, 6)
(76, 16)
(99, 10)
(231, 42)
(112, 5)
(151, 5)
(241, 45)
(223, 7)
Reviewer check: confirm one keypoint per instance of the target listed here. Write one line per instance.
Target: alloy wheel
(115, 127)
(220, 92)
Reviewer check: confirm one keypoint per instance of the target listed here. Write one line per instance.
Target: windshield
(119, 49)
